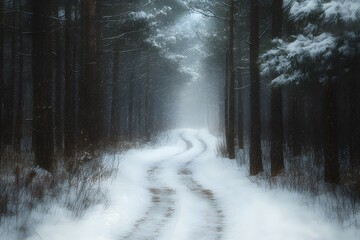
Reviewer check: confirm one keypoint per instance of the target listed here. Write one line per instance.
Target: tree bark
(240, 104)
(277, 128)
(20, 103)
(115, 102)
(295, 121)
(69, 113)
(226, 100)
(240, 115)
(42, 85)
(88, 86)
(2, 83)
(58, 85)
(131, 108)
(230, 138)
(355, 117)
(147, 99)
(331, 167)
(99, 130)
(9, 104)
(256, 165)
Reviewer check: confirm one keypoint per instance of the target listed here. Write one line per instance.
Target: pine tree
(42, 85)
(230, 138)
(255, 128)
(276, 151)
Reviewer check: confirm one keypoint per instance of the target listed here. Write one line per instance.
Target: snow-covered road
(182, 191)
(169, 181)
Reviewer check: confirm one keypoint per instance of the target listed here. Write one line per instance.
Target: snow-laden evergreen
(330, 11)
(328, 38)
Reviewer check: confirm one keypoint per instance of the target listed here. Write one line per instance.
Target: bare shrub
(221, 149)
(304, 174)
(75, 184)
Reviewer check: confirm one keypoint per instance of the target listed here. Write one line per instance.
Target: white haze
(192, 101)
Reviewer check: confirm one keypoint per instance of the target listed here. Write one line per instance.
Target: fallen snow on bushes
(181, 190)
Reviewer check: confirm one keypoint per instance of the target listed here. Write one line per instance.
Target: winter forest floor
(182, 190)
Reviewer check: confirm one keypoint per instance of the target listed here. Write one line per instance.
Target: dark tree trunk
(69, 113)
(77, 57)
(355, 117)
(58, 85)
(131, 108)
(230, 138)
(81, 97)
(115, 101)
(9, 104)
(99, 133)
(226, 100)
(277, 132)
(88, 86)
(42, 85)
(240, 115)
(147, 99)
(295, 121)
(20, 102)
(240, 103)
(2, 83)
(256, 165)
(331, 170)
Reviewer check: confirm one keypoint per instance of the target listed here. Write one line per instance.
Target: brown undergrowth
(304, 175)
(26, 190)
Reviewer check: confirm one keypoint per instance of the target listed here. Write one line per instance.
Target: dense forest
(78, 74)
(278, 80)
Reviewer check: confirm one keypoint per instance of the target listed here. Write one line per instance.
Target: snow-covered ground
(182, 191)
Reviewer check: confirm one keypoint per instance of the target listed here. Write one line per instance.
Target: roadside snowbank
(247, 210)
(256, 213)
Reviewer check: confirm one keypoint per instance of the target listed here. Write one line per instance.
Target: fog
(195, 99)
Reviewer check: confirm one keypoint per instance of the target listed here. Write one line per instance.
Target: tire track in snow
(215, 218)
(162, 204)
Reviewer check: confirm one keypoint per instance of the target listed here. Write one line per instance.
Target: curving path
(214, 227)
(158, 221)
(181, 190)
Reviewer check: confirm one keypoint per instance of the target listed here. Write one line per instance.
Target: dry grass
(221, 149)
(25, 188)
(304, 175)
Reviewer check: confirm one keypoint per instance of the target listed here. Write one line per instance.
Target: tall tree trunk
(81, 101)
(115, 101)
(147, 99)
(331, 170)
(9, 104)
(58, 85)
(69, 113)
(42, 85)
(20, 103)
(100, 133)
(256, 165)
(2, 81)
(240, 103)
(295, 121)
(277, 128)
(77, 60)
(230, 138)
(88, 86)
(226, 100)
(355, 117)
(131, 108)
(240, 115)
